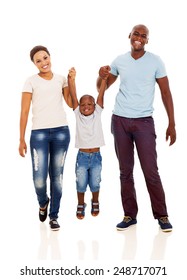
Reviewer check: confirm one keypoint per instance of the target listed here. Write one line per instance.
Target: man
(132, 123)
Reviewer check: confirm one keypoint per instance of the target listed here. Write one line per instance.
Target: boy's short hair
(89, 96)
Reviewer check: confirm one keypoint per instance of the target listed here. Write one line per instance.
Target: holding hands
(72, 73)
(104, 72)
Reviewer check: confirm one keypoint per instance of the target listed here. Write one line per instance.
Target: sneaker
(126, 223)
(54, 225)
(43, 212)
(165, 224)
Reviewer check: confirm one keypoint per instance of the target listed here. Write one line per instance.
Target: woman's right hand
(22, 148)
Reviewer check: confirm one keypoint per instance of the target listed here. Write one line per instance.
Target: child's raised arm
(100, 97)
(72, 87)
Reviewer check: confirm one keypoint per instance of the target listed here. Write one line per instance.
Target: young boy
(89, 138)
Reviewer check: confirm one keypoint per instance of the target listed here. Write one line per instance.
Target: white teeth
(137, 42)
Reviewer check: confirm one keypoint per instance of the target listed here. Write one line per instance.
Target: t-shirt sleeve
(98, 108)
(114, 70)
(27, 86)
(76, 111)
(64, 82)
(161, 69)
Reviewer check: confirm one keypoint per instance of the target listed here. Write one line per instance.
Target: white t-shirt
(89, 133)
(47, 101)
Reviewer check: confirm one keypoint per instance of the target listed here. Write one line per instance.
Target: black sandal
(81, 211)
(94, 210)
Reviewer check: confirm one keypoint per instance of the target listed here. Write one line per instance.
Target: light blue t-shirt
(137, 84)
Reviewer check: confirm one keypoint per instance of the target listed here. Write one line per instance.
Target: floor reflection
(94, 246)
(159, 245)
(81, 249)
(49, 244)
(130, 243)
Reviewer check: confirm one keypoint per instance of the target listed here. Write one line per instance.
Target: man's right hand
(104, 72)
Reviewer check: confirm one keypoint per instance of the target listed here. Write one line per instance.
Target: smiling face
(139, 37)
(42, 61)
(87, 105)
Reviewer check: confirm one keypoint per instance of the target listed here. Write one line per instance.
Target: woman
(50, 134)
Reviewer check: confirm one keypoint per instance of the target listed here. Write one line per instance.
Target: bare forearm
(168, 104)
(73, 92)
(110, 79)
(23, 124)
(99, 83)
(69, 101)
(100, 98)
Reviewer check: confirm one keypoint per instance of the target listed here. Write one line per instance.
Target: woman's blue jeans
(48, 152)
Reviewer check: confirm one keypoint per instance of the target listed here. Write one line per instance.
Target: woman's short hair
(37, 49)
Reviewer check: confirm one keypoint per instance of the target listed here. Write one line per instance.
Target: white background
(88, 34)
